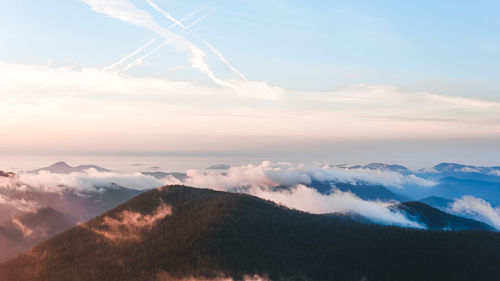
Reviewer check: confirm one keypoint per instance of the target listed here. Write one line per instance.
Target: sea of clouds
(263, 180)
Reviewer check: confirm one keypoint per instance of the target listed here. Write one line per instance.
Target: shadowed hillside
(180, 232)
(27, 229)
(435, 219)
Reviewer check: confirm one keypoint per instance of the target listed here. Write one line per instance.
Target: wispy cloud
(126, 11)
(128, 226)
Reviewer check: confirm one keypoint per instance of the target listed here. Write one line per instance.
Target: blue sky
(318, 78)
(448, 46)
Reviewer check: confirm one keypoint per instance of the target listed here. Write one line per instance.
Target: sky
(413, 82)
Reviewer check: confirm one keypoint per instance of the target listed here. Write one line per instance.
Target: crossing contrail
(141, 59)
(184, 18)
(212, 48)
(126, 11)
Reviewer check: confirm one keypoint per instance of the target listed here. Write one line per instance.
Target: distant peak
(60, 164)
(219, 167)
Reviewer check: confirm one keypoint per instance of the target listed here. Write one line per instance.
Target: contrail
(184, 18)
(129, 55)
(198, 20)
(168, 16)
(126, 11)
(141, 59)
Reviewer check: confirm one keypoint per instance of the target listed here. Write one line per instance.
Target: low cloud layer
(281, 182)
(477, 208)
(261, 180)
(88, 180)
(308, 199)
(269, 174)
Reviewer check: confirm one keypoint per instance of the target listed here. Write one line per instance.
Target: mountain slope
(455, 188)
(361, 189)
(435, 219)
(30, 228)
(179, 232)
(437, 202)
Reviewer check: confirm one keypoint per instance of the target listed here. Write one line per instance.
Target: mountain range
(29, 216)
(183, 233)
(63, 168)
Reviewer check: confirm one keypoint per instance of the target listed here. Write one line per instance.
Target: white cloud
(52, 106)
(257, 180)
(261, 178)
(495, 172)
(270, 174)
(20, 204)
(89, 180)
(478, 209)
(308, 199)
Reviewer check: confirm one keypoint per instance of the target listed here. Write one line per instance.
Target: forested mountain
(177, 231)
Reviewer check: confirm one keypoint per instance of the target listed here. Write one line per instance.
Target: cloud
(308, 199)
(477, 208)
(21, 204)
(495, 172)
(268, 174)
(24, 229)
(126, 11)
(129, 225)
(137, 113)
(212, 48)
(89, 180)
(259, 180)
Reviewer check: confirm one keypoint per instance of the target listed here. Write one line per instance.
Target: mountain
(453, 188)
(161, 175)
(64, 168)
(53, 207)
(182, 233)
(437, 202)
(460, 171)
(434, 219)
(361, 189)
(218, 167)
(384, 167)
(30, 228)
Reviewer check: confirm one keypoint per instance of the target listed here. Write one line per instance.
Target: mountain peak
(62, 167)
(61, 164)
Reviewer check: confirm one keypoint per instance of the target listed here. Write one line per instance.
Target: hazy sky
(389, 80)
